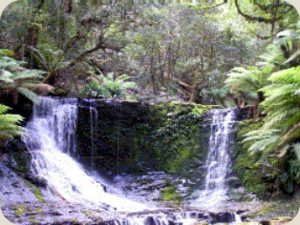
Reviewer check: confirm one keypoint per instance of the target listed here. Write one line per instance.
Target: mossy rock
(36, 191)
(170, 195)
(280, 220)
(135, 137)
(17, 157)
(264, 176)
(20, 210)
(259, 177)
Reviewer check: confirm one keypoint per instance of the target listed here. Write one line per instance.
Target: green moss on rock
(36, 191)
(170, 195)
(136, 136)
(175, 138)
(20, 210)
(260, 175)
(246, 163)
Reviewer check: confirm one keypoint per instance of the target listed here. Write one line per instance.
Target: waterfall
(218, 162)
(51, 139)
(94, 128)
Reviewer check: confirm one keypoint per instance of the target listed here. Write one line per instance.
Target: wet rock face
(153, 186)
(135, 137)
(56, 212)
(17, 157)
(222, 217)
(115, 133)
(59, 212)
(13, 188)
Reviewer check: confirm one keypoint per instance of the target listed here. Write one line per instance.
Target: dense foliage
(108, 87)
(272, 86)
(169, 49)
(276, 85)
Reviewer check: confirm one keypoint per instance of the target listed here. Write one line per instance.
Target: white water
(177, 218)
(158, 219)
(94, 128)
(218, 162)
(51, 138)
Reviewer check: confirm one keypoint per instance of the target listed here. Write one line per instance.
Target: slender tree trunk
(260, 96)
(152, 70)
(32, 34)
(169, 66)
(161, 69)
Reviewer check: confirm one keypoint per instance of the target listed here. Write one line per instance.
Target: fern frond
(9, 124)
(28, 94)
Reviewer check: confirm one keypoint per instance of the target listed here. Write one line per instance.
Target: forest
(126, 87)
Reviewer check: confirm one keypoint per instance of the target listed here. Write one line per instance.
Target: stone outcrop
(135, 137)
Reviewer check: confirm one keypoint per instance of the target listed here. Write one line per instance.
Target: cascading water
(94, 128)
(179, 218)
(51, 138)
(218, 162)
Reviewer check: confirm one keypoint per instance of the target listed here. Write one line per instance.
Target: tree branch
(84, 54)
(255, 18)
(214, 6)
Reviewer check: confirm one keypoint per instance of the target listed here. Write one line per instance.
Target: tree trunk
(260, 96)
(32, 34)
(152, 70)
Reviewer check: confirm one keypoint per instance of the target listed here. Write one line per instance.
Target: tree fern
(9, 124)
(14, 78)
(247, 81)
(108, 86)
(243, 79)
(281, 129)
(8, 63)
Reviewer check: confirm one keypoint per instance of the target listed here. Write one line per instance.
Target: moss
(176, 164)
(177, 137)
(20, 210)
(75, 221)
(135, 137)
(170, 195)
(88, 214)
(23, 162)
(7, 52)
(37, 192)
(33, 220)
(198, 111)
(246, 165)
(171, 109)
(39, 210)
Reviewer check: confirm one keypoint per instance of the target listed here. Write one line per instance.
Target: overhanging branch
(255, 18)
